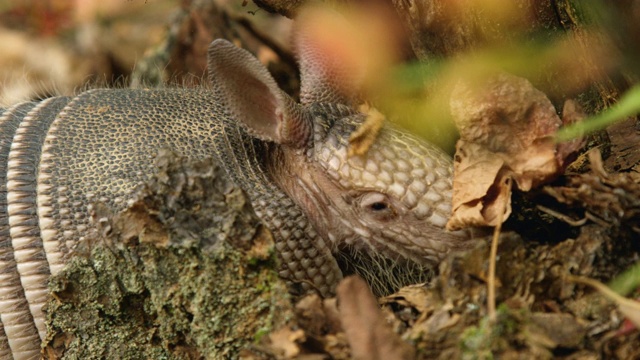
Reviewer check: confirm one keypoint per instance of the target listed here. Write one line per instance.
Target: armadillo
(380, 214)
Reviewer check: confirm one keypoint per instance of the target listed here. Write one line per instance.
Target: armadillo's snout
(389, 246)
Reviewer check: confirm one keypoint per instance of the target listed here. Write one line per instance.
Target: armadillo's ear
(245, 87)
(326, 74)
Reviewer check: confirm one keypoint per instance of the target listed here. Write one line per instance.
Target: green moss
(168, 303)
(171, 297)
(485, 339)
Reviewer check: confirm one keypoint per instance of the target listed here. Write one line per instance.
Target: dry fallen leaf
(361, 140)
(369, 335)
(608, 199)
(287, 342)
(561, 329)
(415, 296)
(507, 132)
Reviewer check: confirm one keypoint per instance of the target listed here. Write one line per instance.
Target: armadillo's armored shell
(12, 299)
(61, 155)
(24, 270)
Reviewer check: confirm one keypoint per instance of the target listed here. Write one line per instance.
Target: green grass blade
(628, 105)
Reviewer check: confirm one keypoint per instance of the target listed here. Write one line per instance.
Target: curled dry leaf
(507, 132)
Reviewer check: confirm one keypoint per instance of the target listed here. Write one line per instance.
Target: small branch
(561, 216)
(491, 278)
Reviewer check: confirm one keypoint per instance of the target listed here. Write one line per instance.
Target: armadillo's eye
(377, 205)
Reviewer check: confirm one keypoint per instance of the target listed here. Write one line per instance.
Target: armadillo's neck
(301, 180)
(305, 258)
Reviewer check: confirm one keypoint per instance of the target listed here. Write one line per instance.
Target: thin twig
(562, 217)
(596, 219)
(491, 278)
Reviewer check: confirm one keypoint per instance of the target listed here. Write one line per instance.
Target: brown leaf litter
(542, 315)
(506, 132)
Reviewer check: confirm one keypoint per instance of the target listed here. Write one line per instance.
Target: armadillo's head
(383, 213)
